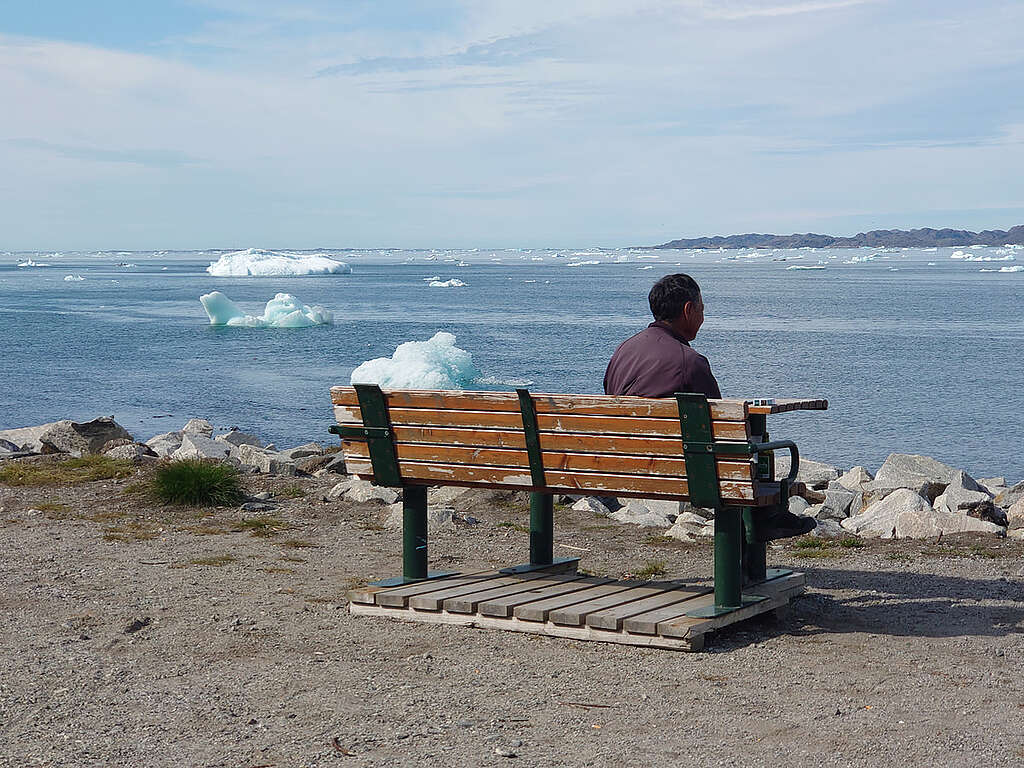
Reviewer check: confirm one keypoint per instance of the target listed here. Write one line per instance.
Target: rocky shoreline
(910, 496)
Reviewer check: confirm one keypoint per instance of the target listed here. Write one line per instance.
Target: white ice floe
(282, 311)
(647, 267)
(806, 266)
(453, 283)
(73, 278)
(30, 263)
(255, 262)
(433, 364)
(582, 263)
(1014, 268)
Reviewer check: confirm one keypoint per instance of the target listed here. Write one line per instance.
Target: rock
(337, 464)
(828, 529)
(258, 506)
(26, 438)
(838, 504)
(957, 498)
(133, 452)
(854, 479)
(165, 444)
(6, 446)
(340, 489)
(302, 451)
(906, 514)
(992, 481)
(638, 513)
(117, 441)
(196, 446)
(670, 510)
(1015, 515)
(444, 495)
(798, 505)
(689, 526)
(267, 462)
(362, 491)
(922, 474)
(1010, 496)
(236, 438)
(392, 516)
(198, 427)
(814, 473)
(590, 504)
(80, 438)
(313, 464)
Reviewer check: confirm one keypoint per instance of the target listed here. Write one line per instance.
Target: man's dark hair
(670, 294)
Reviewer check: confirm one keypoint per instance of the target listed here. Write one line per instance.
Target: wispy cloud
(153, 158)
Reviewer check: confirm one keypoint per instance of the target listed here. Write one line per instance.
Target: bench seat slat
(604, 425)
(554, 460)
(518, 478)
(594, 405)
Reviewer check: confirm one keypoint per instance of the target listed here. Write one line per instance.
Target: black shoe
(784, 525)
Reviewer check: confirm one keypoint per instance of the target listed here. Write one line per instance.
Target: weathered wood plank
(541, 609)
(433, 601)
(554, 460)
(570, 423)
(397, 597)
(593, 405)
(520, 479)
(504, 606)
(576, 614)
(613, 617)
(468, 603)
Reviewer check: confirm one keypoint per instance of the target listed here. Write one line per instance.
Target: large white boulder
(1015, 515)
(197, 446)
(924, 475)
(638, 513)
(839, 503)
(74, 437)
(1010, 496)
(166, 444)
(302, 451)
(237, 437)
(814, 473)
(906, 514)
(266, 461)
(689, 526)
(855, 479)
(590, 504)
(362, 491)
(198, 427)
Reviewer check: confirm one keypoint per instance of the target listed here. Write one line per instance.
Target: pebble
(504, 752)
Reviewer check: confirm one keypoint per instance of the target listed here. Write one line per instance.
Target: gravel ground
(140, 635)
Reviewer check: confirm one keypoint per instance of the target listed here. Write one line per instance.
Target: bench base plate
(653, 614)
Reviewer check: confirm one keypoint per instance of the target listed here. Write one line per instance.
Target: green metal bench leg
(542, 528)
(414, 532)
(755, 565)
(728, 557)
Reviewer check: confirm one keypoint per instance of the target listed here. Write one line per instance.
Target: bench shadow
(893, 603)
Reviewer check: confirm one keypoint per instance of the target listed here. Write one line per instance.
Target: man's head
(676, 301)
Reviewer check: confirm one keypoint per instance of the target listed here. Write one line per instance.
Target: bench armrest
(794, 465)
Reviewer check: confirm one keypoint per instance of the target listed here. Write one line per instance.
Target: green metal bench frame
(740, 558)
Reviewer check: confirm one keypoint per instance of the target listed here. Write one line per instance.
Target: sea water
(916, 350)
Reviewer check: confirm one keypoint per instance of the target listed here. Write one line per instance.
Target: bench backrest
(591, 444)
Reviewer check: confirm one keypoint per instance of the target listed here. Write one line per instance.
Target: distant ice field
(916, 350)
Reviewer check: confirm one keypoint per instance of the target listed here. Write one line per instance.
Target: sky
(503, 123)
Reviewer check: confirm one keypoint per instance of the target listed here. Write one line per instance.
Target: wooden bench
(712, 453)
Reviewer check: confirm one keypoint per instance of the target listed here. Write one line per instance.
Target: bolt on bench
(711, 453)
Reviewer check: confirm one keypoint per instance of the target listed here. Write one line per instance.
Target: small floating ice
(582, 263)
(647, 267)
(254, 262)
(806, 266)
(433, 364)
(73, 278)
(453, 283)
(30, 263)
(282, 311)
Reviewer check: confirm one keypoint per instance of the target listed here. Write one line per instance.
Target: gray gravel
(208, 646)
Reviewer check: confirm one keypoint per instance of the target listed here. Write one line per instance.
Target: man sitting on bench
(658, 362)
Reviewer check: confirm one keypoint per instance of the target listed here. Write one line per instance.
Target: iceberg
(30, 263)
(254, 262)
(73, 278)
(433, 364)
(453, 283)
(282, 311)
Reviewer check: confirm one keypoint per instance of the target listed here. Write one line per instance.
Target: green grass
(822, 549)
(64, 472)
(262, 526)
(291, 492)
(652, 568)
(299, 544)
(197, 483)
(513, 526)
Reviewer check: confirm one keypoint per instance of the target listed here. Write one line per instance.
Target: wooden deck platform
(649, 613)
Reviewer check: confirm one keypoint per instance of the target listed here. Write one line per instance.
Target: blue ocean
(917, 350)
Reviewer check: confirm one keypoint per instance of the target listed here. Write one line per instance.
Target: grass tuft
(262, 526)
(293, 491)
(197, 483)
(212, 560)
(652, 568)
(64, 472)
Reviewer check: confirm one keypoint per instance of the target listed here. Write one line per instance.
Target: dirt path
(136, 635)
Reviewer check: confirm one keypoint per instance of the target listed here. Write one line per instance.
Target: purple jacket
(658, 363)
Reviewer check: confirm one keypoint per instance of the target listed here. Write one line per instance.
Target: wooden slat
(611, 618)
(595, 405)
(469, 603)
(568, 482)
(504, 606)
(790, 404)
(553, 460)
(433, 601)
(541, 609)
(551, 441)
(602, 425)
(397, 597)
(576, 615)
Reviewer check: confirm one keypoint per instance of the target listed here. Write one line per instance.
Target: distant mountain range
(876, 238)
